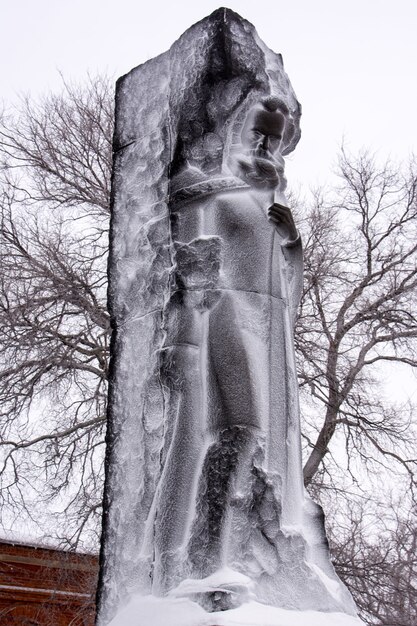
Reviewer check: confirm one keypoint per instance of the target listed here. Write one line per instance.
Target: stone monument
(204, 501)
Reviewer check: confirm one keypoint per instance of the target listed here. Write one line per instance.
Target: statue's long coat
(231, 483)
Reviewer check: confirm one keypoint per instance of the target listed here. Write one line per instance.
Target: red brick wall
(45, 587)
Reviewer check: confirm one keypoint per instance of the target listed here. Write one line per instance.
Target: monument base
(145, 610)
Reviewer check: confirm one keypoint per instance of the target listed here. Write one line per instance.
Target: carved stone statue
(204, 494)
(236, 283)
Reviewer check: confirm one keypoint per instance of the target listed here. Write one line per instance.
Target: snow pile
(179, 609)
(148, 610)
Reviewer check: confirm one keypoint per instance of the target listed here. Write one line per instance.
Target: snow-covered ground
(179, 610)
(151, 611)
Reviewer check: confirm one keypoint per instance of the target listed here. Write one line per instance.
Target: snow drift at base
(146, 610)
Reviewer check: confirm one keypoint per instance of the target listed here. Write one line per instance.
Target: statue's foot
(220, 600)
(225, 589)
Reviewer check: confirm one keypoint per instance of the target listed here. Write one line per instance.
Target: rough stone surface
(203, 468)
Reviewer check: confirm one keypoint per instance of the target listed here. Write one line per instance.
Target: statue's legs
(237, 420)
(216, 384)
(181, 460)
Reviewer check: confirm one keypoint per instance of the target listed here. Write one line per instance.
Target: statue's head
(264, 128)
(260, 161)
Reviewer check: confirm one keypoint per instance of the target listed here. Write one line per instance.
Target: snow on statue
(206, 519)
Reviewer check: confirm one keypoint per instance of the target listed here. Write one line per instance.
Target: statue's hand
(281, 216)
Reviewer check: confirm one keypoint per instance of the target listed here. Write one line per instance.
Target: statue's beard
(259, 170)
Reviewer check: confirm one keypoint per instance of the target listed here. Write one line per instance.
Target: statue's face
(262, 132)
(259, 161)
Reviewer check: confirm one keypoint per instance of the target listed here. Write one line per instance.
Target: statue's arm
(281, 216)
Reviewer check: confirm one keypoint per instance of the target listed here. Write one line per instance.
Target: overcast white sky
(352, 63)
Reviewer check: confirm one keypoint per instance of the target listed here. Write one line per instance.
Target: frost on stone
(204, 500)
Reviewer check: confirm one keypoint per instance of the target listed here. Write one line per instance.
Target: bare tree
(357, 313)
(357, 316)
(374, 550)
(56, 162)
